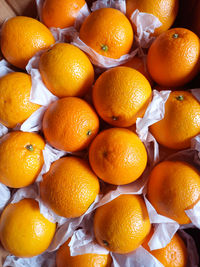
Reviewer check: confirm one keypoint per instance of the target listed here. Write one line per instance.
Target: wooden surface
(11, 8)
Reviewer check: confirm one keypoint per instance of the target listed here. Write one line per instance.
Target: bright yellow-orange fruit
(24, 231)
(122, 224)
(61, 13)
(108, 32)
(66, 70)
(164, 10)
(70, 187)
(139, 64)
(117, 156)
(21, 158)
(173, 255)
(173, 58)
(64, 259)
(181, 121)
(22, 37)
(121, 95)
(15, 106)
(70, 124)
(173, 187)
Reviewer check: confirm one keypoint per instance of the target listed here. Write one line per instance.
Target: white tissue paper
(99, 60)
(45, 260)
(154, 113)
(4, 196)
(39, 93)
(117, 4)
(145, 24)
(5, 68)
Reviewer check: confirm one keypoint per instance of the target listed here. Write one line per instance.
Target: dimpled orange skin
(174, 187)
(15, 106)
(70, 124)
(70, 187)
(21, 158)
(108, 32)
(122, 224)
(173, 58)
(139, 64)
(22, 37)
(66, 70)
(64, 259)
(24, 231)
(165, 10)
(61, 13)
(181, 121)
(121, 95)
(173, 255)
(117, 156)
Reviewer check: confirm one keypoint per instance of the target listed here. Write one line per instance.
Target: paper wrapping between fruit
(80, 229)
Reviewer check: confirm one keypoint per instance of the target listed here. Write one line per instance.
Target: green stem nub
(105, 243)
(104, 48)
(89, 132)
(175, 35)
(29, 147)
(180, 97)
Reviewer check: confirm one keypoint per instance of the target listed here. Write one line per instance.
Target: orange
(121, 95)
(164, 10)
(122, 224)
(22, 37)
(64, 259)
(174, 187)
(173, 255)
(70, 187)
(173, 58)
(24, 231)
(181, 121)
(117, 156)
(66, 70)
(70, 124)
(15, 106)
(108, 32)
(21, 158)
(139, 64)
(61, 13)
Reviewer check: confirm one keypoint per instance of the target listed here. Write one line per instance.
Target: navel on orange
(108, 32)
(173, 187)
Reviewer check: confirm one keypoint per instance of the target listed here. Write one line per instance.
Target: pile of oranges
(96, 114)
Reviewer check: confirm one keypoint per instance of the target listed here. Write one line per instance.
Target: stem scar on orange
(173, 58)
(70, 124)
(108, 32)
